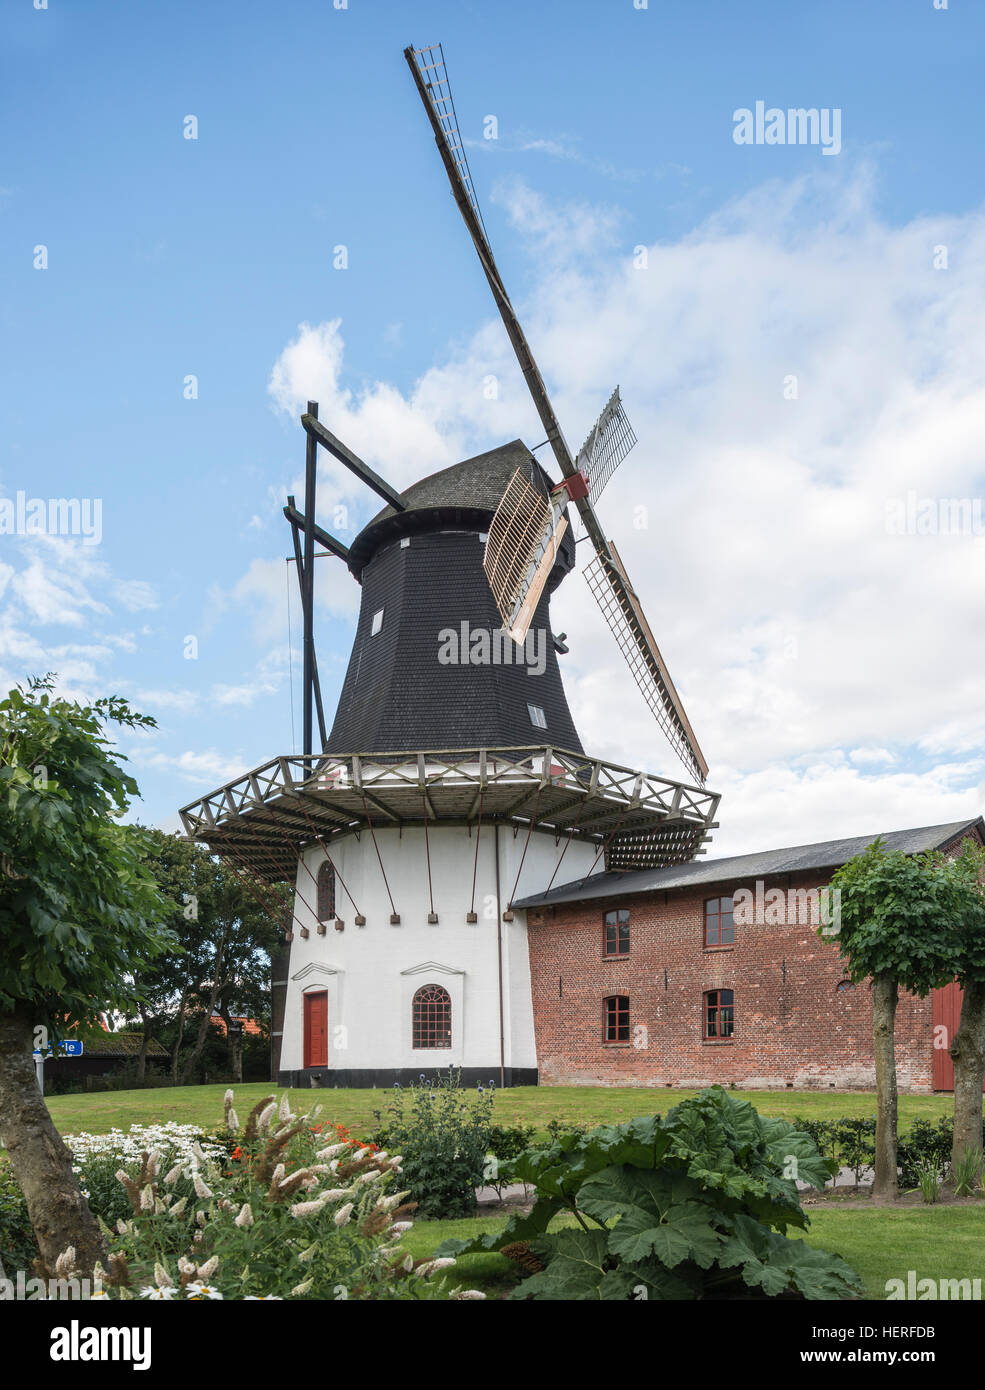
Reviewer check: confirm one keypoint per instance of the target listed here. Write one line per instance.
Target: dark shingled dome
(465, 495)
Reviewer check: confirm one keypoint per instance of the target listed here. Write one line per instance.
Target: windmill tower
(452, 781)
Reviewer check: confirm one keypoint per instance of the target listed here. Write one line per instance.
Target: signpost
(69, 1047)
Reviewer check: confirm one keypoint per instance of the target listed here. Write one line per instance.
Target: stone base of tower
(370, 1078)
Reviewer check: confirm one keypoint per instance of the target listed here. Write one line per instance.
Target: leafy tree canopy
(78, 907)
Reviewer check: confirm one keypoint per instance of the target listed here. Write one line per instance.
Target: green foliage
(929, 1178)
(924, 1144)
(855, 1143)
(966, 1172)
(78, 908)
(442, 1131)
(285, 1210)
(693, 1206)
(903, 916)
(18, 1248)
(509, 1141)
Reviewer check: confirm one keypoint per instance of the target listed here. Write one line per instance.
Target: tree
(77, 911)
(967, 1047)
(223, 965)
(896, 920)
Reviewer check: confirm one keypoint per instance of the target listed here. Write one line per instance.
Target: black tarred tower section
(421, 569)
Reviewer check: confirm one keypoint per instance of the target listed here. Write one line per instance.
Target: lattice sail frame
(431, 65)
(609, 440)
(521, 548)
(621, 609)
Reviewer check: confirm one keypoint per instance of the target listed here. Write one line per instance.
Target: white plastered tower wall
(371, 973)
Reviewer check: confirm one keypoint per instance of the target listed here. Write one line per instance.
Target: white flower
(284, 1113)
(305, 1209)
(198, 1290)
(179, 1207)
(172, 1177)
(331, 1151)
(300, 1289)
(233, 1122)
(466, 1293)
(148, 1291)
(278, 1174)
(343, 1214)
(147, 1198)
(245, 1217)
(228, 1098)
(399, 1227)
(65, 1262)
(207, 1270)
(265, 1116)
(308, 1254)
(369, 1177)
(433, 1266)
(263, 1298)
(162, 1278)
(407, 1263)
(201, 1190)
(335, 1194)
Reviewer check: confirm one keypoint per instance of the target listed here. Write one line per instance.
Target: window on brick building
(432, 1017)
(326, 892)
(844, 986)
(615, 932)
(719, 1013)
(719, 922)
(616, 1019)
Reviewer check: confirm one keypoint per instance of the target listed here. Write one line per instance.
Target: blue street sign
(69, 1048)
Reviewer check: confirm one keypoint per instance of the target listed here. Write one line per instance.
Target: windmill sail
(521, 548)
(609, 441)
(621, 609)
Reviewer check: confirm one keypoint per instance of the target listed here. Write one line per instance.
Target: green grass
(536, 1105)
(941, 1242)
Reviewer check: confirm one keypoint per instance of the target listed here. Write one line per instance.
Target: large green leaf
(655, 1213)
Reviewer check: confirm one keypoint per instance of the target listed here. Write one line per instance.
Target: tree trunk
(234, 1041)
(142, 1054)
(884, 997)
(214, 992)
(40, 1161)
(968, 1051)
(176, 1050)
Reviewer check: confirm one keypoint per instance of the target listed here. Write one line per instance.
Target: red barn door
(947, 1016)
(316, 1030)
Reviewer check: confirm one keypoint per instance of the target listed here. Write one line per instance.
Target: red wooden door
(316, 1029)
(947, 1015)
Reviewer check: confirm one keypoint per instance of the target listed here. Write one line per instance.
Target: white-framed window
(537, 717)
(405, 542)
(377, 622)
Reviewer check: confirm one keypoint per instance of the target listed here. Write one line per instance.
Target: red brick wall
(792, 1026)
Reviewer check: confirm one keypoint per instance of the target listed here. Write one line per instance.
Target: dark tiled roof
(829, 854)
(466, 494)
(122, 1045)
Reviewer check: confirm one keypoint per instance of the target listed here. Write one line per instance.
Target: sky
(796, 330)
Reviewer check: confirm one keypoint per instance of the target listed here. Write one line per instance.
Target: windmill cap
(462, 497)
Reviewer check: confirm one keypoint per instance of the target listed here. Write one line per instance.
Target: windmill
(452, 781)
(524, 532)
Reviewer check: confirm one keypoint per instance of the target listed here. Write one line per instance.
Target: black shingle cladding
(828, 854)
(398, 696)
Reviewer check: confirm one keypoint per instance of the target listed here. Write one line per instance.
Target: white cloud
(793, 620)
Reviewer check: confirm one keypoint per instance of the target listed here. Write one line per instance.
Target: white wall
(371, 972)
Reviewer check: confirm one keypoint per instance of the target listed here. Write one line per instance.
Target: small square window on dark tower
(537, 717)
(377, 622)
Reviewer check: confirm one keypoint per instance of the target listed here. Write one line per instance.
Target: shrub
(18, 1248)
(442, 1132)
(924, 1143)
(855, 1144)
(693, 1206)
(295, 1210)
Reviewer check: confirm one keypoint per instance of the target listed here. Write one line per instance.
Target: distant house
(248, 1025)
(107, 1055)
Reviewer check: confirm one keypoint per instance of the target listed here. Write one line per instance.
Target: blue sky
(832, 670)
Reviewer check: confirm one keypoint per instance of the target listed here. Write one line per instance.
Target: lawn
(536, 1105)
(940, 1242)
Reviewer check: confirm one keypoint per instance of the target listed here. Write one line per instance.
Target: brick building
(660, 977)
